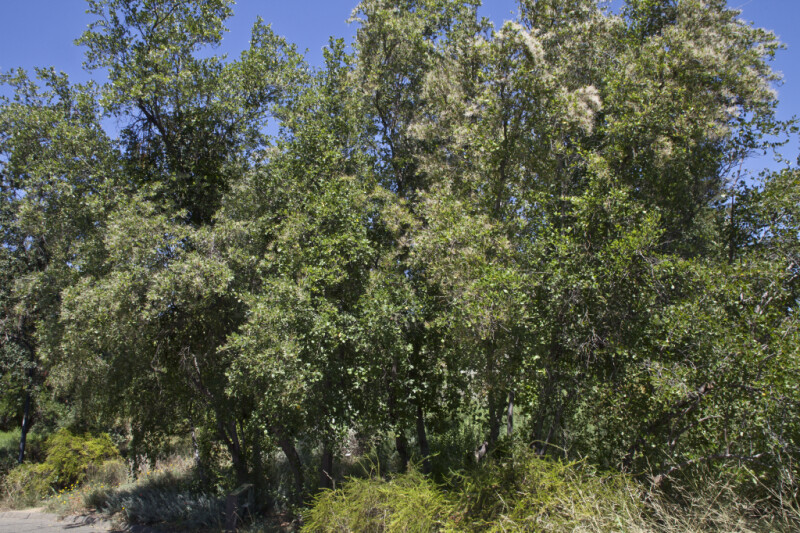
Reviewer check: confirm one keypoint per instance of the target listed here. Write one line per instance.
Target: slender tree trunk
(510, 414)
(422, 438)
(295, 465)
(195, 449)
(732, 236)
(556, 424)
(237, 455)
(494, 419)
(26, 424)
(537, 430)
(326, 466)
(481, 451)
(198, 463)
(493, 400)
(401, 443)
(258, 478)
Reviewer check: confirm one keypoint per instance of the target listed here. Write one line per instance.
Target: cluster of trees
(447, 219)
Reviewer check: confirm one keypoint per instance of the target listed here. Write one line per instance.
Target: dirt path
(37, 521)
(34, 520)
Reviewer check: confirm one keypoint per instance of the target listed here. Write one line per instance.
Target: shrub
(9, 450)
(517, 490)
(26, 484)
(9, 443)
(70, 457)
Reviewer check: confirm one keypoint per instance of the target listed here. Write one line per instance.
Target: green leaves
(450, 219)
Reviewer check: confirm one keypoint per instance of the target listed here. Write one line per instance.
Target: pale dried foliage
(515, 32)
(582, 105)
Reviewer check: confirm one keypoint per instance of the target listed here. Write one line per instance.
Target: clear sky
(41, 33)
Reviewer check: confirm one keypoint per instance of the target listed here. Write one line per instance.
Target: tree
(151, 323)
(453, 219)
(55, 162)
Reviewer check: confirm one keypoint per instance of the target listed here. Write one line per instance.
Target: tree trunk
(494, 419)
(26, 424)
(326, 466)
(422, 438)
(493, 400)
(510, 414)
(195, 449)
(198, 461)
(481, 451)
(732, 239)
(554, 426)
(237, 455)
(401, 443)
(295, 465)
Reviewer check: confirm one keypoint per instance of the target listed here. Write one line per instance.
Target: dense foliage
(540, 229)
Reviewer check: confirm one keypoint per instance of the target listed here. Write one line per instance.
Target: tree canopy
(542, 227)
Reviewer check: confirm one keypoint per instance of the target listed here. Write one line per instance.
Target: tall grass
(523, 491)
(520, 491)
(409, 502)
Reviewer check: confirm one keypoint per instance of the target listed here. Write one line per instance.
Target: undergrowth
(9, 450)
(166, 494)
(69, 460)
(409, 502)
(520, 491)
(511, 490)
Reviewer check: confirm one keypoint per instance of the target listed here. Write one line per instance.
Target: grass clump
(26, 485)
(518, 492)
(523, 491)
(408, 502)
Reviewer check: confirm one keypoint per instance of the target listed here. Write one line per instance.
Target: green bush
(517, 490)
(9, 450)
(69, 459)
(9, 446)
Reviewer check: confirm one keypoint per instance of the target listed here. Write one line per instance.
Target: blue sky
(41, 33)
